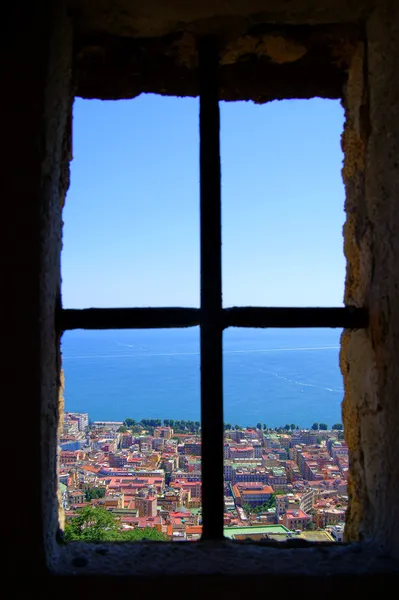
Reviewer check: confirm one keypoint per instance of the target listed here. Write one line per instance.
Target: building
(254, 494)
(257, 450)
(163, 432)
(241, 452)
(117, 460)
(147, 506)
(81, 418)
(241, 475)
(307, 500)
(295, 519)
(193, 448)
(114, 500)
(70, 457)
(337, 532)
(107, 425)
(126, 440)
(75, 496)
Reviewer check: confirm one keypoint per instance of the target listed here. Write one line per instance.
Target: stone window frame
(210, 557)
(211, 317)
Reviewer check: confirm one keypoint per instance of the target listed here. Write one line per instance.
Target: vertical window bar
(211, 294)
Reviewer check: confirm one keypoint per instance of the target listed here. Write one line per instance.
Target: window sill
(153, 559)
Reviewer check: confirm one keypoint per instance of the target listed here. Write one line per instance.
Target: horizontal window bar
(128, 318)
(348, 317)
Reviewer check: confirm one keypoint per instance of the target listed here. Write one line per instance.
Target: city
(144, 480)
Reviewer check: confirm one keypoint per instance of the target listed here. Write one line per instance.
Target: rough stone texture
(369, 359)
(35, 111)
(156, 18)
(222, 558)
(274, 62)
(55, 180)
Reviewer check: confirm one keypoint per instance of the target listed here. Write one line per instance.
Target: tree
(265, 426)
(323, 426)
(293, 426)
(136, 428)
(247, 507)
(310, 526)
(92, 524)
(130, 422)
(147, 533)
(338, 426)
(259, 426)
(96, 524)
(122, 429)
(227, 426)
(315, 426)
(94, 492)
(271, 503)
(287, 427)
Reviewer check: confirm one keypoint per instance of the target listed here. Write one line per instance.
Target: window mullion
(211, 294)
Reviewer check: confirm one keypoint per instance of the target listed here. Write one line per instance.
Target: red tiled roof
(194, 529)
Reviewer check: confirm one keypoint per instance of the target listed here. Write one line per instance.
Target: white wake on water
(133, 355)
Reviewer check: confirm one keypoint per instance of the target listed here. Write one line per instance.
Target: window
(212, 318)
(362, 68)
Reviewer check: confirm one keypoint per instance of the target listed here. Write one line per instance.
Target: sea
(272, 376)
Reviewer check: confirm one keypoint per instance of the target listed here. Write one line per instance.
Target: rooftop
(231, 532)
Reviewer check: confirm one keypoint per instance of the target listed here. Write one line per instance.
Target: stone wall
(36, 109)
(369, 359)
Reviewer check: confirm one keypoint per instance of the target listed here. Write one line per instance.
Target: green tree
(227, 426)
(247, 507)
(287, 427)
(94, 492)
(122, 429)
(315, 426)
(259, 426)
(265, 426)
(96, 524)
(338, 426)
(130, 422)
(92, 524)
(137, 429)
(293, 426)
(310, 526)
(147, 533)
(271, 503)
(323, 426)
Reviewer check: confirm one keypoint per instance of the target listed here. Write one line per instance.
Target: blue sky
(131, 219)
